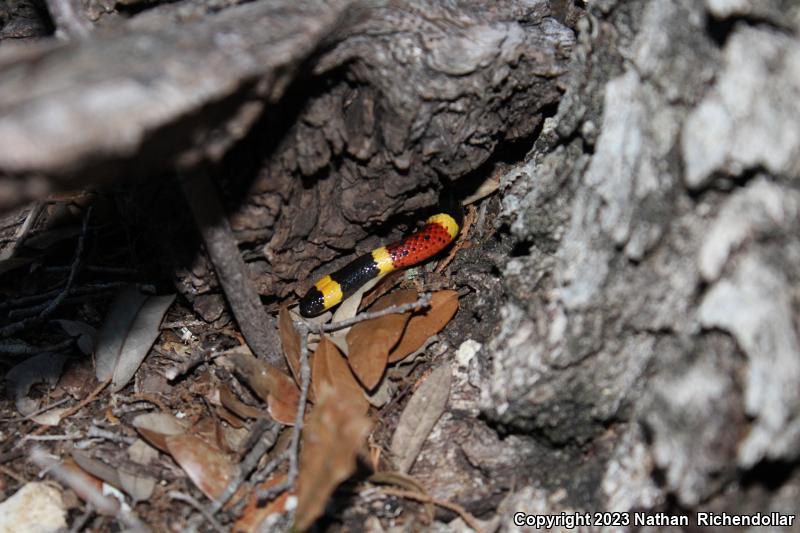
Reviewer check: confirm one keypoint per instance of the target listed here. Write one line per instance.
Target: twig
(41, 438)
(100, 433)
(83, 403)
(234, 276)
(422, 302)
(94, 269)
(197, 358)
(16, 327)
(175, 495)
(265, 433)
(80, 522)
(92, 496)
(44, 409)
(270, 467)
(424, 498)
(13, 475)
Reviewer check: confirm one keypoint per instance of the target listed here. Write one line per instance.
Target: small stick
(424, 498)
(234, 276)
(86, 401)
(40, 438)
(41, 410)
(23, 231)
(266, 432)
(180, 496)
(80, 522)
(93, 496)
(422, 302)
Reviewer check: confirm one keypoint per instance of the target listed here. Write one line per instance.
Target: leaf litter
(127, 335)
(335, 430)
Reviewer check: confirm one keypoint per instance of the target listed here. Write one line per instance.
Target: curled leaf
(370, 342)
(425, 324)
(331, 371)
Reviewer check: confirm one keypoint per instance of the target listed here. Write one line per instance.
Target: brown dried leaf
(281, 411)
(207, 467)
(238, 407)
(425, 324)
(273, 386)
(331, 371)
(253, 516)
(290, 341)
(332, 438)
(89, 488)
(370, 341)
(156, 427)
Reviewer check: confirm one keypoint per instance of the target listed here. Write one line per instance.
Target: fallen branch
(234, 276)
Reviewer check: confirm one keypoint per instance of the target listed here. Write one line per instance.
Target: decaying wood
(401, 96)
(129, 103)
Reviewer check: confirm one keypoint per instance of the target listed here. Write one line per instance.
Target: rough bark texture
(647, 356)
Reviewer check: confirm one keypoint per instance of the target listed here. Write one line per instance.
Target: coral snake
(437, 233)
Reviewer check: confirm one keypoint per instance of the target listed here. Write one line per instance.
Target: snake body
(437, 233)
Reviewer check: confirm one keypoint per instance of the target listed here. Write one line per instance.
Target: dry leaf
(290, 341)
(86, 334)
(89, 488)
(42, 368)
(281, 411)
(238, 407)
(207, 467)
(253, 517)
(156, 427)
(276, 388)
(420, 415)
(127, 335)
(425, 324)
(370, 341)
(330, 370)
(332, 438)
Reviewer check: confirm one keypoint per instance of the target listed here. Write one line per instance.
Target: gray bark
(647, 357)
